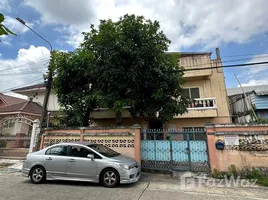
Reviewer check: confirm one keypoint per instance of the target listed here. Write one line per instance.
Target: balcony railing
(203, 104)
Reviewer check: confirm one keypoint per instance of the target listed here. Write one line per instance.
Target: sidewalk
(209, 186)
(10, 165)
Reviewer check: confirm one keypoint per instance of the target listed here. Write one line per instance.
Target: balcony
(201, 108)
(198, 74)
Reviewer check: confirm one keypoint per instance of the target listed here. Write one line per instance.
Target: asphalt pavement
(15, 187)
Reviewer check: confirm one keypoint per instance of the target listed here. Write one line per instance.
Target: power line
(241, 59)
(27, 73)
(18, 86)
(25, 64)
(242, 55)
(226, 61)
(216, 67)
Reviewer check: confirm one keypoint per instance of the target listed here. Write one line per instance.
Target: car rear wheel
(38, 175)
(110, 178)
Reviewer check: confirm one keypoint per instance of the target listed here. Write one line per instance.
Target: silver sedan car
(81, 162)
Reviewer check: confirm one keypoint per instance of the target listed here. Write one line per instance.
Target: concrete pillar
(34, 136)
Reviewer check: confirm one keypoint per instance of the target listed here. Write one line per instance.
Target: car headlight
(128, 167)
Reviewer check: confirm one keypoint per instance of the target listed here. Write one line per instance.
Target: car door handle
(49, 158)
(72, 160)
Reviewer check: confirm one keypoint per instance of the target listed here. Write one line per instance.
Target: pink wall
(135, 131)
(254, 155)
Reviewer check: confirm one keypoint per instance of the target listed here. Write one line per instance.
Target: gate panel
(179, 151)
(155, 154)
(162, 148)
(199, 156)
(147, 150)
(180, 155)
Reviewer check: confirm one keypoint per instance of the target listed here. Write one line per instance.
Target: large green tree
(127, 66)
(132, 68)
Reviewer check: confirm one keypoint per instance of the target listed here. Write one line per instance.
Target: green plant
(3, 143)
(261, 120)
(3, 29)
(233, 171)
(246, 173)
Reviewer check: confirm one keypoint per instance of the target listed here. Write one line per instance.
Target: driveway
(13, 187)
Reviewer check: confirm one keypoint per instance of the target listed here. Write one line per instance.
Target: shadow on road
(77, 184)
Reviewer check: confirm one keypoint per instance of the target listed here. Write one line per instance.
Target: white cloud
(66, 12)
(207, 23)
(29, 66)
(6, 40)
(256, 82)
(258, 68)
(254, 74)
(4, 6)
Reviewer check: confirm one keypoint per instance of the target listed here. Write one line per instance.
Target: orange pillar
(82, 131)
(137, 145)
(212, 151)
(42, 142)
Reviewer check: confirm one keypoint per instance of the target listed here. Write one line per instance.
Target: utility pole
(247, 99)
(48, 83)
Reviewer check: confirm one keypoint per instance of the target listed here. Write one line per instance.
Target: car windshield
(104, 150)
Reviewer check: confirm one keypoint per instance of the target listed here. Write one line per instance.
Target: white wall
(53, 104)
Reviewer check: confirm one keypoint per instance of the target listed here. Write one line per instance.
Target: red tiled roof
(9, 100)
(27, 107)
(40, 85)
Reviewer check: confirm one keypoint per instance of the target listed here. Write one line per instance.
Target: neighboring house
(37, 94)
(13, 117)
(6, 100)
(240, 105)
(207, 87)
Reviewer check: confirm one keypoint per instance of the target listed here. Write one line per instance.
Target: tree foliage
(3, 29)
(127, 65)
(72, 87)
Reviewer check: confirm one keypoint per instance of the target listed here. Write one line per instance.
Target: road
(14, 187)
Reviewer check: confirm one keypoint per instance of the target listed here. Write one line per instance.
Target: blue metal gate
(186, 152)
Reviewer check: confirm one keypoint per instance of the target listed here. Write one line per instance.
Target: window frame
(190, 93)
(49, 150)
(96, 155)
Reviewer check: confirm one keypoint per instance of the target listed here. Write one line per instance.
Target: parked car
(81, 162)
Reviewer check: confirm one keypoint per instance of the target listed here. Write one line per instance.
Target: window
(104, 150)
(81, 152)
(192, 93)
(59, 151)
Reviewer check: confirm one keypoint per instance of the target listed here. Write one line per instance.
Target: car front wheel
(110, 178)
(38, 175)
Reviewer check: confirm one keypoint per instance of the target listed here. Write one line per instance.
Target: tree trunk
(118, 118)
(86, 118)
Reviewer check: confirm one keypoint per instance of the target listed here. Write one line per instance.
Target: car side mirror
(90, 156)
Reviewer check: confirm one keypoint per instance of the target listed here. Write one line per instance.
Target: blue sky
(238, 28)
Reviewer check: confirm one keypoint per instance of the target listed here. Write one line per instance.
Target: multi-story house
(207, 87)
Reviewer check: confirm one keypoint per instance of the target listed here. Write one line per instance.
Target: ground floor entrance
(183, 150)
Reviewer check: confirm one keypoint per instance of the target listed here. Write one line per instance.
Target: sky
(238, 28)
